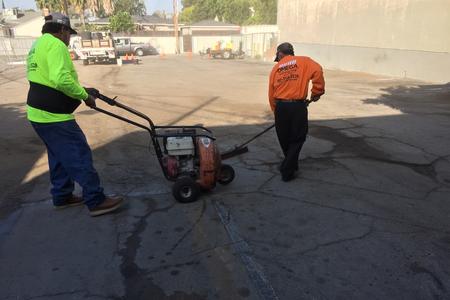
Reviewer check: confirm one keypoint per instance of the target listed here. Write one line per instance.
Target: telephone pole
(175, 26)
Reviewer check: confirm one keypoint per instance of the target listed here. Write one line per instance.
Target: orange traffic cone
(126, 56)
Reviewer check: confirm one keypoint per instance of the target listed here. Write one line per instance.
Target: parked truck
(125, 46)
(95, 47)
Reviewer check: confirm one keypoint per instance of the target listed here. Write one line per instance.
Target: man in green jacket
(53, 96)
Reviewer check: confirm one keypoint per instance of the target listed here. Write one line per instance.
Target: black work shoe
(289, 177)
(72, 201)
(110, 204)
(295, 168)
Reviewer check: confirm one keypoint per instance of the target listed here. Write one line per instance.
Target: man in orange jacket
(288, 90)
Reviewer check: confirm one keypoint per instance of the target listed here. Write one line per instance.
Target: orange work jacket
(290, 79)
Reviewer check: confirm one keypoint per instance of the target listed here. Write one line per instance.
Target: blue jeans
(70, 160)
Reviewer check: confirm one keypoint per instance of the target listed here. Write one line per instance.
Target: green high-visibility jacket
(49, 65)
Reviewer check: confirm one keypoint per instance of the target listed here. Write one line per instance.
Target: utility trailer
(94, 48)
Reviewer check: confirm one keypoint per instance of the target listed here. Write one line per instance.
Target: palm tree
(80, 6)
(108, 6)
(52, 5)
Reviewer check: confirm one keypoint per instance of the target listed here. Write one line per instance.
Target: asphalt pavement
(367, 217)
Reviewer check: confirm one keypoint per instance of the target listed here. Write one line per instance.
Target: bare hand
(90, 101)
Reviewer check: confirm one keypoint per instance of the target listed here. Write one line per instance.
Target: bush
(121, 22)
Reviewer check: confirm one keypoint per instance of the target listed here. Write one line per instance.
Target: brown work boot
(72, 201)
(110, 204)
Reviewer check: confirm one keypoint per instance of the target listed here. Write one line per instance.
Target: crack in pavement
(335, 160)
(358, 213)
(360, 188)
(266, 182)
(215, 247)
(359, 146)
(254, 270)
(46, 296)
(202, 213)
(417, 269)
(135, 281)
(339, 241)
(137, 284)
(291, 274)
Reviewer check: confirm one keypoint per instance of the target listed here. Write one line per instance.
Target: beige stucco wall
(31, 28)
(394, 37)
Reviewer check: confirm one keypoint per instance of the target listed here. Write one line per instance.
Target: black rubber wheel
(226, 174)
(185, 190)
(85, 62)
(227, 55)
(139, 52)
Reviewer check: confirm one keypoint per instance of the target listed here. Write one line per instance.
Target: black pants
(291, 123)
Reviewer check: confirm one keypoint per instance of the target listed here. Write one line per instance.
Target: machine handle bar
(114, 102)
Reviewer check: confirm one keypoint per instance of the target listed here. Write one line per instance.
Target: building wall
(31, 28)
(404, 38)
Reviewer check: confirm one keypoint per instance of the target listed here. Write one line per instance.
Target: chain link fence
(260, 41)
(13, 51)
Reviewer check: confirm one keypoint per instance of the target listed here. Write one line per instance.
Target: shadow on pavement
(20, 150)
(420, 99)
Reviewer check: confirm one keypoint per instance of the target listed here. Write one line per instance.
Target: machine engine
(180, 155)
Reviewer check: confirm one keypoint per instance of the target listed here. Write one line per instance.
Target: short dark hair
(53, 28)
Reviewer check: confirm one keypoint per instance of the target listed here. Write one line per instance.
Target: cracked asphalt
(367, 218)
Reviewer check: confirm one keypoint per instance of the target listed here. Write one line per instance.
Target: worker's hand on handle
(90, 101)
(315, 98)
(92, 95)
(93, 92)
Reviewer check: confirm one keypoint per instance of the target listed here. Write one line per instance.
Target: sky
(151, 5)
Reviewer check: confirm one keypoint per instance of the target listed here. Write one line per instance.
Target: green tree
(237, 11)
(160, 14)
(233, 11)
(188, 3)
(186, 15)
(121, 22)
(265, 12)
(208, 9)
(132, 7)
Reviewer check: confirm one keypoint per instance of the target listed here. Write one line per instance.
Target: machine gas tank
(209, 162)
(171, 165)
